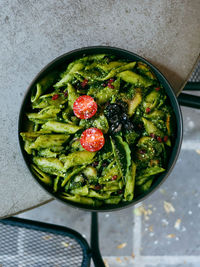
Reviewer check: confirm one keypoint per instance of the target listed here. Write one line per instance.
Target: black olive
(124, 117)
(128, 126)
(113, 107)
(111, 113)
(112, 110)
(114, 118)
(116, 127)
(112, 128)
(123, 105)
(117, 117)
(109, 107)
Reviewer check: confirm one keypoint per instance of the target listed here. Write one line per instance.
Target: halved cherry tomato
(84, 107)
(92, 139)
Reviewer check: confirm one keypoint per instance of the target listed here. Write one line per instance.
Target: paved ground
(164, 230)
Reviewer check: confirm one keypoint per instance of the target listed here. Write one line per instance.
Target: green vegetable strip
(147, 173)
(109, 172)
(109, 66)
(72, 95)
(41, 175)
(93, 193)
(145, 187)
(113, 200)
(47, 153)
(77, 158)
(48, 113)
(45, 101)
(115, 71)
(50, 165)
(50, 140)
(38, 92)
(69, 76)
(150, 171)
(134, 78)
(82, 191)
(113, 185)
(130, 183)
(59, 127)
(27, 148)
(71, 174)
(80, 199)
(122, 155)
(31, 136)
(151, 128)
(55, 184)
(43, 85)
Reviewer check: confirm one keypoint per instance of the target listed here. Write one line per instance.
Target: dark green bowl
(63, 61)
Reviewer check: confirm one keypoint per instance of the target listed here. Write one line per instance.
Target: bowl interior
(61, 63)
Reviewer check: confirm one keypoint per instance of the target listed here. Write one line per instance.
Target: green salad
(99, 132)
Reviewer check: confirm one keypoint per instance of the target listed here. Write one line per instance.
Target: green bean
(130, 183)
(82, 191)
(41, 175)
(71, 174)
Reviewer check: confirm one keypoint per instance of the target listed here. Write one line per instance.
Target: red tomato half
(84, 107)
(92, 139)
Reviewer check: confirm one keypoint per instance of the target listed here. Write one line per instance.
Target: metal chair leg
(94, 241)
(192, 86)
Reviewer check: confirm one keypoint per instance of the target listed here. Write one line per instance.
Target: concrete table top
(32, 33)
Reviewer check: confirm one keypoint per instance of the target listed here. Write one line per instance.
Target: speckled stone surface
(32, 33)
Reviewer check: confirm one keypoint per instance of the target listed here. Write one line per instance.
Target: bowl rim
(169, 91)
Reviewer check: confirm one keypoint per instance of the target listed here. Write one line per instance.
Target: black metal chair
(192, 85)
(25, 243)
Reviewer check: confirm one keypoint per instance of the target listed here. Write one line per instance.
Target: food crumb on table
(168, 207)
(143, 211)
(151, 228)
(177, 224)
(106, 262)
(198, 151)
(123, 245)
(171, 236)
(119, 260)
(164, 222)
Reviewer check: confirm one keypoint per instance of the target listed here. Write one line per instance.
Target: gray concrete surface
(177, 230)
(32, 33)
